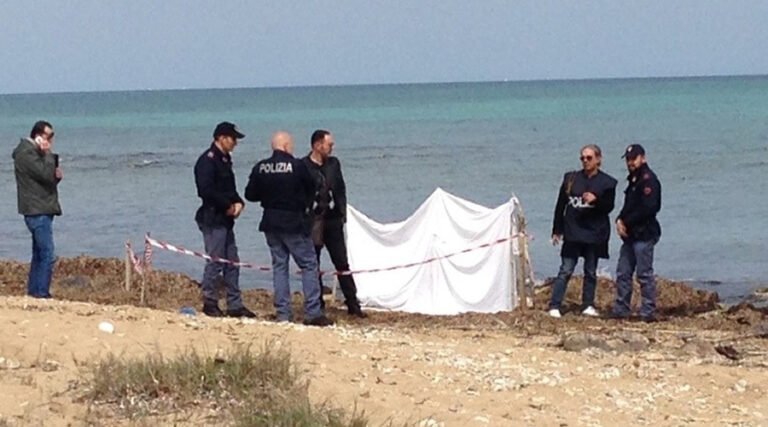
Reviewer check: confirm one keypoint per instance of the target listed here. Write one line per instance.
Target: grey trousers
(220, 242)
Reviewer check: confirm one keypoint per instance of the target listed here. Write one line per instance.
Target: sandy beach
(706, 368)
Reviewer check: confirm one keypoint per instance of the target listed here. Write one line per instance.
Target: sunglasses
(586, 158)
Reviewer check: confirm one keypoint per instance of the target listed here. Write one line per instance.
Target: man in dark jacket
(285, 188)
(330, 213)
(37, 178)
(585, 199)
(640, 231)
(221, 205)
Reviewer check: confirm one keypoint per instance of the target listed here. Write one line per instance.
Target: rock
(631, 341)
(430, 422)
(50, 366)
(728, 351)
(9, 363)
(761, 330)
(580, 341)
(106, 327)
(740, 386)
(698, 347)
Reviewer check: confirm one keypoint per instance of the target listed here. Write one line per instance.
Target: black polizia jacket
(285, 189)
(578, 221)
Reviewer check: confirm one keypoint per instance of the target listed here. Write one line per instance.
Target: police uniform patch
(210, 154)
(647, 190)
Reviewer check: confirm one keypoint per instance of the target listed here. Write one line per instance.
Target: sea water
(128, 157)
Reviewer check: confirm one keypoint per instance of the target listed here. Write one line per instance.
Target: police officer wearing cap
(640, 231)
(221, 205)
(285, 189)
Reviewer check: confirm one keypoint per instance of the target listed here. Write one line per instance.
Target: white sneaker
(590, 311)
(555, 313)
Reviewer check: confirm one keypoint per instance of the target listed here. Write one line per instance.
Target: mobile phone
(56, 160)
(38, 140)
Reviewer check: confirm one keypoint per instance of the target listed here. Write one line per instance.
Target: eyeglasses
(586, 158)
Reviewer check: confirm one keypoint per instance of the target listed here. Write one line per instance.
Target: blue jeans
(41, 266)
(564, 275)
(220, 242)
(281, 245)
(634, 256)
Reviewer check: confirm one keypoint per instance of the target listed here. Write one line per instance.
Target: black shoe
(649, 319)
(212, 311)
(241, 312)
(356, 311)
(320, 321)
(326, 290)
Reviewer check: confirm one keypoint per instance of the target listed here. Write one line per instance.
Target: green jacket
(36, 183)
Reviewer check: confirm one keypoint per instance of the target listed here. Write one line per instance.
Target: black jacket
(330, 199)
(216, 186)
(285, 189)
(642, 201)
(578, 221)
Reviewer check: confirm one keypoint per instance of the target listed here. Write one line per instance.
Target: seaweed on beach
(101, 280)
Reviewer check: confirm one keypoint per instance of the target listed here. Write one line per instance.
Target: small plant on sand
(248, 388)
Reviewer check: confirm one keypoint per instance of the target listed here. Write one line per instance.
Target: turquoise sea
(128, 158)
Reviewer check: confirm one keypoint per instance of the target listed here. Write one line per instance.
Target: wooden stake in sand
(128, 265)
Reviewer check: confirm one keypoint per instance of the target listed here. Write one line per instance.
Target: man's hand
(556, 238)
(621, 228)
(44, 145)
(235, 210)
(59, 174)
(589, 197)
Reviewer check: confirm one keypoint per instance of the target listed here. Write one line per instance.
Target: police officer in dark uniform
(215, 182)
(330, 213)
(640, 231)
(585, 199)
(285, 189)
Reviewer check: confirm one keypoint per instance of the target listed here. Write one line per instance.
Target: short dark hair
(318, 136)
(39, 128)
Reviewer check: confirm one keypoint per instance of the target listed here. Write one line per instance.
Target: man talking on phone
(37, 178)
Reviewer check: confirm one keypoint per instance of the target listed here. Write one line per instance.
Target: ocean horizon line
(414, 83)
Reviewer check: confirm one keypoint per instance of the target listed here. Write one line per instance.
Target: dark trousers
(220, 242)
(333, 240)
(635, 256)
(41, 266)
(564, 275)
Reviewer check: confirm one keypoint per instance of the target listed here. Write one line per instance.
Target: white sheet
(481, 280)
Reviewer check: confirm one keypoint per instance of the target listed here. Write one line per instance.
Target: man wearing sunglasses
(585, 199)
(37, 178)
(330, 213)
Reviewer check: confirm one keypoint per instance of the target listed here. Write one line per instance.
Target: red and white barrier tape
(135, 260)
(178, 249)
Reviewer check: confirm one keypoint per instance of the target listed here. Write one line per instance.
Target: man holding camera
(330, 213)
(37, 178)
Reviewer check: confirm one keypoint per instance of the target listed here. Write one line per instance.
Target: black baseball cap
(632, 151)
(227, 129)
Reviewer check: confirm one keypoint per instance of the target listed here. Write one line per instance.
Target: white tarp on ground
(481, 280)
